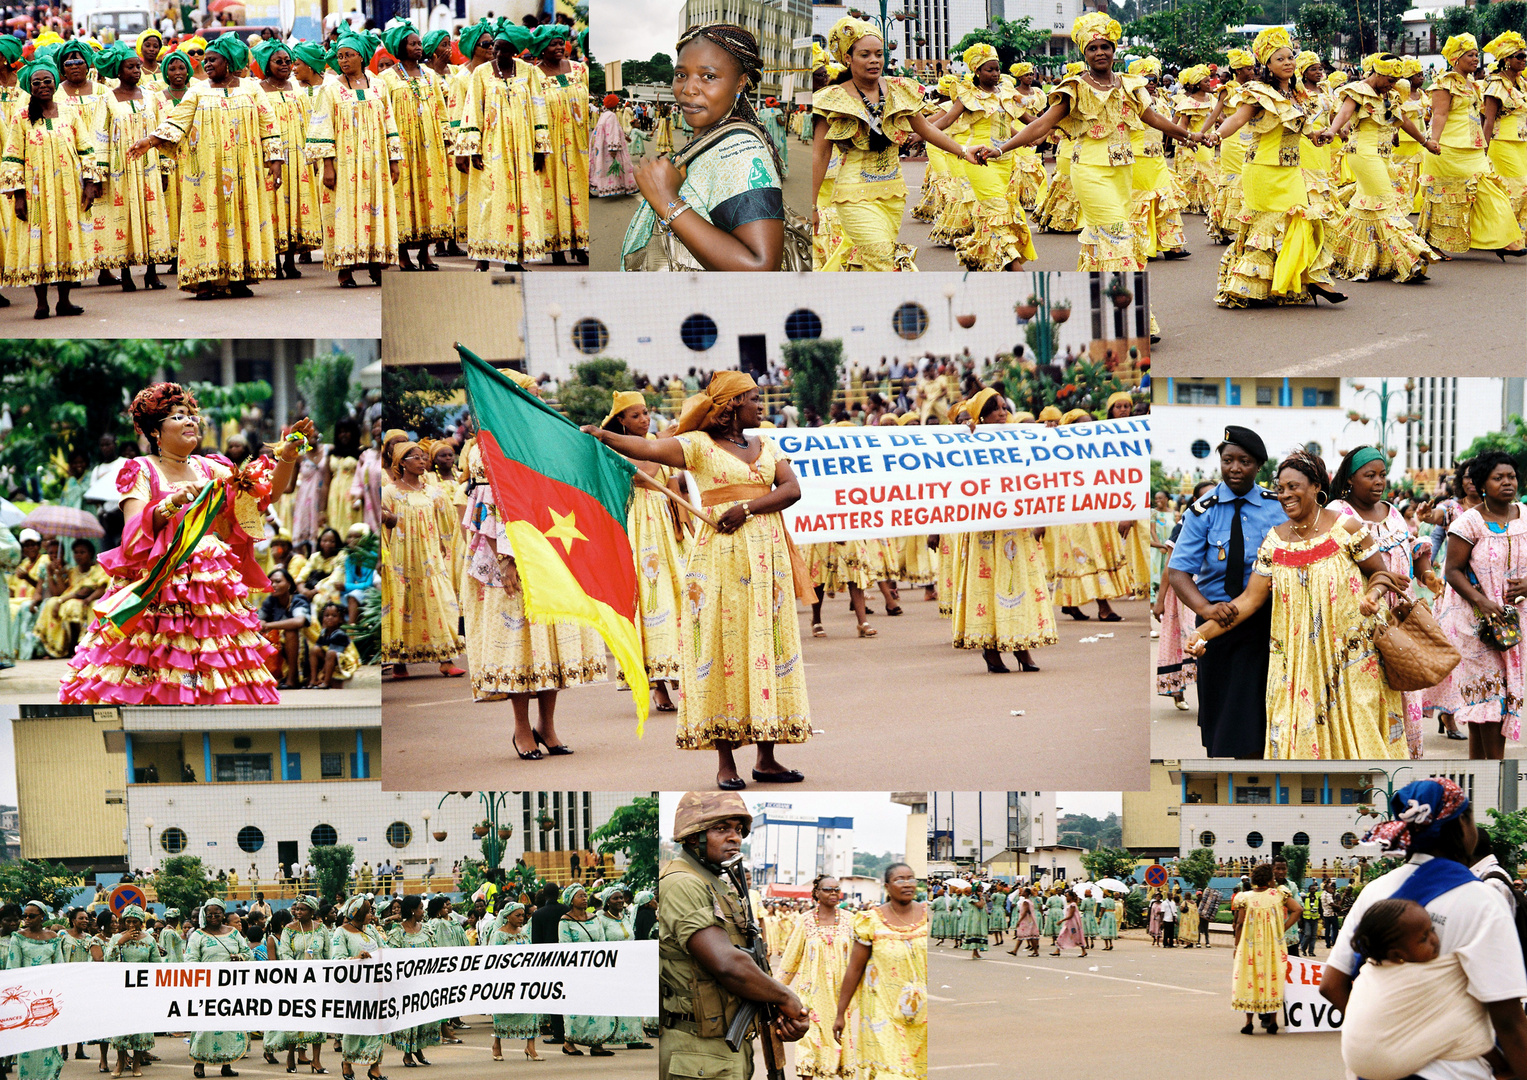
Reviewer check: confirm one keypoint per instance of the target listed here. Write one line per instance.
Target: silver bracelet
(668, 221)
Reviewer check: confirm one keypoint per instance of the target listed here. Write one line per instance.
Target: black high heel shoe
(534, 755)
(560, 750)
(1331, 296)
(1022, 666)
(994, 662)
(1502, 254)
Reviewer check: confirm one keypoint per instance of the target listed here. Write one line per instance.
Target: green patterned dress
(25, 952)
(346, 944)
(142, 950)
(628, 1029)
(586, 1030)
(446, 933)
(413, 1040)
(973, 923)
(299, 944)
(940, 909)
(1108, 923)
(1054, 910)
(218, 1047)
(172, 945)
(514, 1025)
(1090, 917)
(77, 950)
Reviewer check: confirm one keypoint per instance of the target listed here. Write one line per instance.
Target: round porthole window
(803, 324)
(1349, 840)
(173, 840)
(251, 839)
(1302, 838)
(1201, 448)
(1206, 839)
(399, 834)
(698, 332)
(910, 321)
(1254, 840)
(323, 836)
(590, 336)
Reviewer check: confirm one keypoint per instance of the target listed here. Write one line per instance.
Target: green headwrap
(171, 914)
(643, 897)
(503, 29)
(519, 37)
(566, 899)
(109, 61)
(541, 37)
(10, 49)
(433, 40)
(39, 63)
(74, 47)
(133, 911)
(583, 43)
(1365, 455)
(309, 902)
(397, 32)
(471, 36)
(310, 54)
(176, 57)
(358, 43)
(267, 49)
(230, 48)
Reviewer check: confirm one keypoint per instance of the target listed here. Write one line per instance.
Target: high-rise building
(776, 25)
(791, 848)
(974, 826)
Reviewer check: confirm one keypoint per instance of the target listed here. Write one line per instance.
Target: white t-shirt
(1168, 911)
(1473, 921)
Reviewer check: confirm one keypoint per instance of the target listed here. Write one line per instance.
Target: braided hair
(742, 46)
(1312, 468)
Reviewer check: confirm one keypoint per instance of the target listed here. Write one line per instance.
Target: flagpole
(685, 503)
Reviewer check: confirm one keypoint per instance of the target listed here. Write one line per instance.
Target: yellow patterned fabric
(844, 33)
(1454, 47)
(1192, 76)
(1020, 69)
(1508, 149)
(658, 547)
(298, 217)
(132, 194)
(812, 963)
(1100, 125)
(354, 129)
(1464, 204)
(1257, 969)
(1269, 41)
(1394, 67)
(565, 175)
(891, 1039)
(1099, 122)
(423, 192)
(978, 54)
(1507, 44)
(1087, 565)
(1146, 65)
(1240, 58)
(1303, 62)
(1000, 232)
(506, 122)
(1002, 601)
(419, 607)
(1094, 25)
(47, 160)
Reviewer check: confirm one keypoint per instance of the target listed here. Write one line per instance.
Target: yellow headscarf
(1146, 65)
(1094, 25)
(1076, 67)
(1455, 47)
(46, 38)
(818, 56)
(1333, 80)
(523, 381)
(1115, 398)
(955, 410)
(622, 401)
(835, 69)
(1024, 417)
(1508, 44)
(1402, 87)
(1193, 75)
(843, 35)
(198, 41)
(1303, 62)
(702, 410)
(969, 78)
(1269, 41)
(1394, 67)
(1239, 58)
(1077, 416)
(399, 452)
(978, 403)
(947, 84)
(978, 54)
(1021, 68)
(144, 35)
(1049, 412)
(1410, 67)
(907, 418)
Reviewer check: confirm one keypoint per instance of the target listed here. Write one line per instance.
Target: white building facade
(973, 826)
(789, 847)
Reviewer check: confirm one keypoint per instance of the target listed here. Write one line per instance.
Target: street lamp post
(555, 312)
(426, 841)
(148, 824)
(1386, 423)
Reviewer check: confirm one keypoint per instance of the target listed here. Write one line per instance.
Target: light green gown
(1108, 924)
(363, 1049)
(1090, 917)
(412, 1040)
(299, 944)
(143, 950)
(10, 637)
(172, 945)
(586, 1030)
(514, 1025)
(973, 927)
(446, 933)
(218, 1047)
(628, 1029)
(24, 952)
(77, 951)
(1053, 912)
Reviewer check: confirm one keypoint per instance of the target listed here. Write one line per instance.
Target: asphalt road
(35, 682)
(1135, 1011)
(901, 710)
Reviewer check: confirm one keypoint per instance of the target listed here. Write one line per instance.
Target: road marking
(1342, 356)
(1110, 978)
(958, 1004)
(981, 1065)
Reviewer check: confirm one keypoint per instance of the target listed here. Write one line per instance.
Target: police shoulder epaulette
(1203, 505)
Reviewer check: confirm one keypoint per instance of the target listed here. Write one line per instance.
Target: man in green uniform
(706, 972)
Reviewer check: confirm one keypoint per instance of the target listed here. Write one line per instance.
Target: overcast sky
(1098, 804)
(633, 29)
(7, 755)
(879, 824)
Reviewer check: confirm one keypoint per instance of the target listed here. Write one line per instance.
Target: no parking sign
(1155, 876)
(124, 896)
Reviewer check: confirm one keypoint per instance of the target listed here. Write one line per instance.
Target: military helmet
(699, 810)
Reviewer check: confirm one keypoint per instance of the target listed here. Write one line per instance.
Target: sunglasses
(196, 52)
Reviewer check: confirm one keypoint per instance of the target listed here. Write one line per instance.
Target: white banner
(1303, 1007)
(394, 989)
(860, 483)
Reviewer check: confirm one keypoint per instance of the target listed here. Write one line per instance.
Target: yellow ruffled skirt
(1028, 177)
(1279, 246)
(1157, 202)
(1371, 236)
(1510, 161)
(1060, 212)
(1109, 240)
(1226, 205)
(869, 231)
(1464, 204)
(1001, 233)
(936, 183)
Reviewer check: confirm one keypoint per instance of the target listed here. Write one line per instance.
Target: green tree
(325, 385)
(1508, 837)
(220, 404)
(1197, 867)
(816, 367)
(1319, 24)
(414, 400)
(1362, 28)
(331, 869)
(1452, 21)
(1512, 440)
(25, 879)
(1298, 858)
(1159, 479)
(658, 70)
(586, 397)
(873, 865)
(181, 882)
(1501, 16)
(1089, 832)
(1014, 40)
(1191, 33)
(1135, 908)
(632, 831)
(1031, 335)
(1107, 862)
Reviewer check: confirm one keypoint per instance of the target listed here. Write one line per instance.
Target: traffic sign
(1155, 876)
(124, 896)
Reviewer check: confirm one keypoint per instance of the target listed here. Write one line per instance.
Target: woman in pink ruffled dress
(308, 506)
(198, 642)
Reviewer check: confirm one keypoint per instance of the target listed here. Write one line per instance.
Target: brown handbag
(1413, 647)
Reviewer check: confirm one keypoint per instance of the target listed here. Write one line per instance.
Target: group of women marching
(976, 915)
(1315, 174)
(232, 163)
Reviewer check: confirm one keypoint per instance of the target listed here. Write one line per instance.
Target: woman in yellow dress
(437, 56)
(476, 44)
(1263, 914)
(341, 508)
(1224, 211)
(227, 233)
(49, 169)
(1029, 181)
(1327, 696)
(132, 189)
(662, 142)
(658, 545)
(176, 72)
(867, 118)
(299, 225)
(419, 608)
(1371, 236)
(1100, 111)
(1194, 165)
(79, 94)
(936, 177)
(417, 95)
(564, 84)
(72, 589)
(813, 960)
(887, 977)
(504, 138)
(351, 134)
(1002, 604)
(1465, 205)
(1089, 560)
(1156, 192)
(742, 680)
(1060, 212)
(1406, 159)
(149, 45)
(13, 99)
(1278, 254)
(1320, 102)
(1504, 116)
(982, 115)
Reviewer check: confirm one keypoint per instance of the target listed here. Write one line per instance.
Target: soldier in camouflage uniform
(706, 972)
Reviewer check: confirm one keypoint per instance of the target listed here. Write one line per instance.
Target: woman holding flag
(732, 609)
(182, 629)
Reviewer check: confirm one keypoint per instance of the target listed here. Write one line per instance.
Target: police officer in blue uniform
(1209, 567)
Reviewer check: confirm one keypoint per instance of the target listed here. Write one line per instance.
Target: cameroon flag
(562, 497)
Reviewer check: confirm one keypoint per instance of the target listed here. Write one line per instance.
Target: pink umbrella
(63, 521)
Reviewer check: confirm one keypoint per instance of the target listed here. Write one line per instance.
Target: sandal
(865, 630)
(571, 1053)
(817, 630)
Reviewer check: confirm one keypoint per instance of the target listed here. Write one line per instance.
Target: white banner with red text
(869, 482)
(391, 990)
(1303, 1007)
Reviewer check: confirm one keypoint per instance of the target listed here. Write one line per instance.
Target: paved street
(902, 710)
(1135, 1011)
(473, 1058)
(35, 682)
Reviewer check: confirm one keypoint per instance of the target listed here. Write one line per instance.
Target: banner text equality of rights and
(870, 482)
(393, 989)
